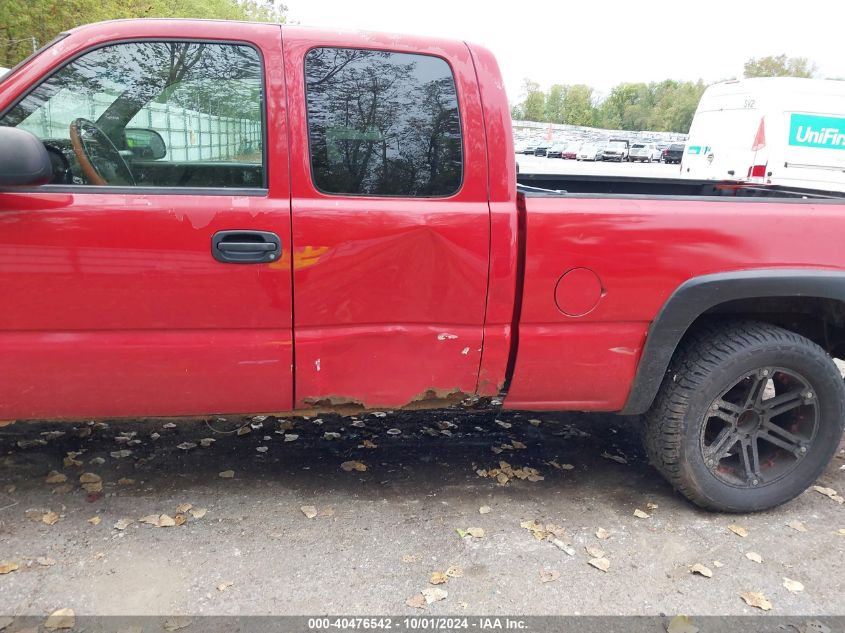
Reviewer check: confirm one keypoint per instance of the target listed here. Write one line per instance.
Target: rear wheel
(747, 418)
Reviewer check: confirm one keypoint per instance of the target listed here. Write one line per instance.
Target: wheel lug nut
(803, 449)
(765, 372)
(755, 482)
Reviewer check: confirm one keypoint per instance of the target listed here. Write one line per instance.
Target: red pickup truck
(211, 217)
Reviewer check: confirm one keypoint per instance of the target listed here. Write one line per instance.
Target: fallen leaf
(455, 572)
(244, 430)
(50, 518)
(199, 513)
(55, 477)
(174, 624)
(718, 564)
(331, 435)
(226, 474)
(701, 570)
(206, 442)
(738, 530)
(535, 422)
(354, 465)
(475, 532)
(600, 563)
(756, 599)
(169, 425)
(504, 425)
(150, 519)
(793, 586)
(184, 507)
(485, 510)
(368, 444)
(8, 568)
(223, 586)
(563, 546)
(841, 531)
(829, 492)
(94, 520)
(96, 486)
(616, 458)
(89, 478)
(291, 437)
(641, 515)
(518, 445)
(797, 526)
(438, 578)
(602, 534)
(61, 619)
(549, 575)
(125, 481)
(754, 556)
(411, 558)
(595, 552)
(262, 449)
(417, 601)
(681, 624)
(45, 561)
(651, 505)
(309, 511)
(122, 524)
(434, 594)
(166, 521)
(121, 454)
(180, 519)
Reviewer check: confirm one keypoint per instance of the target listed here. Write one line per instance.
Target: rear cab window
(382, 123)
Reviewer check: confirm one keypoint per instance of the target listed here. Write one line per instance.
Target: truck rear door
(390, 219)
(153, 276)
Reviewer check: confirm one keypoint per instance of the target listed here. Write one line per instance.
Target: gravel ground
(378, 535)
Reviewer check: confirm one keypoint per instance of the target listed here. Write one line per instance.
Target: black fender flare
(699, 294)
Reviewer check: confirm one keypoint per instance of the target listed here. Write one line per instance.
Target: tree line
(665, 106)
(27, 24)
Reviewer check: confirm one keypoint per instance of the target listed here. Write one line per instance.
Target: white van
(771, 130)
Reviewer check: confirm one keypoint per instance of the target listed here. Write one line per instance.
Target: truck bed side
(598, 269)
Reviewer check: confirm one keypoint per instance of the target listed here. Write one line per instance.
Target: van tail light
(760, 138)
(757, 171)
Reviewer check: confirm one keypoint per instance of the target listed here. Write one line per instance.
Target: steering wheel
(98, 158)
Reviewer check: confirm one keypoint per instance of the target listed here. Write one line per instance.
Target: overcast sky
(602, 43)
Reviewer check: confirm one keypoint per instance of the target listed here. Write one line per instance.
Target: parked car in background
(644, 153)
(542, 148)
(616, 150)
(528, 148)
(571, 151)
(674, 154)
(556, 150)
(589, 152)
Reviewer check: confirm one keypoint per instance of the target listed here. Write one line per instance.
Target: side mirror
(24, 160)
(145, 144)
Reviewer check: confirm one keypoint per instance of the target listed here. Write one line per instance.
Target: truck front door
(152, 276)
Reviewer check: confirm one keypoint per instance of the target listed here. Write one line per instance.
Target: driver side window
(152, 114)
